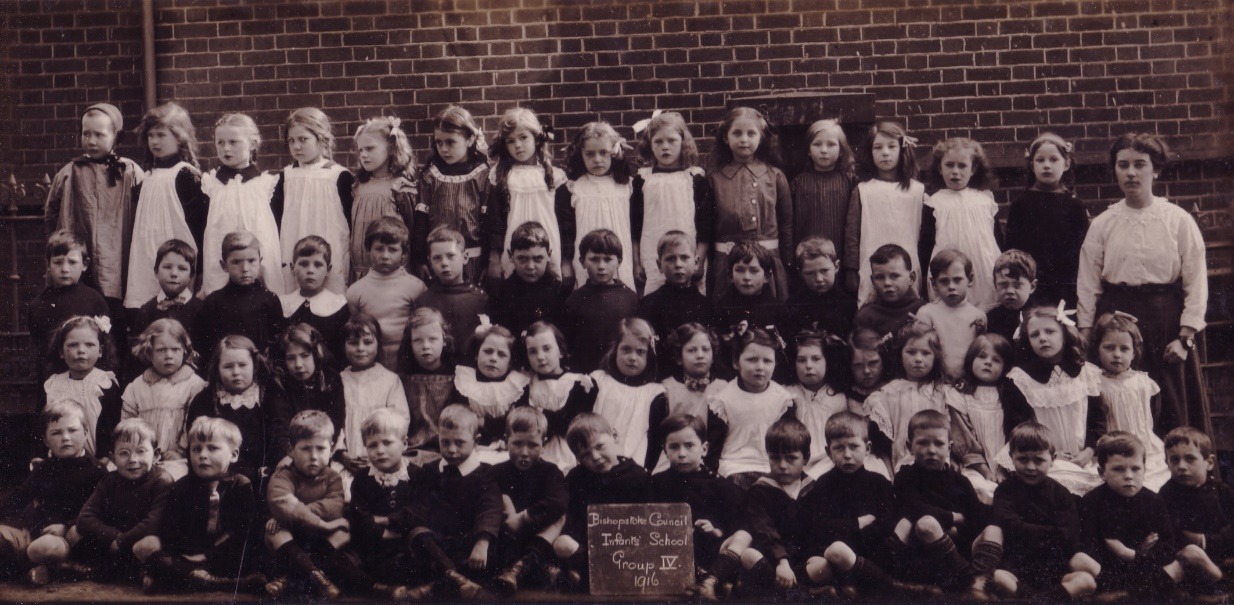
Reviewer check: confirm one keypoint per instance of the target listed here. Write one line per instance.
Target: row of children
(458, 525)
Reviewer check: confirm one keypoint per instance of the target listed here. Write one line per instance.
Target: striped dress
(820, 205)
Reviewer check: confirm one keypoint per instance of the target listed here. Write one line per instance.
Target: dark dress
(1050, 226)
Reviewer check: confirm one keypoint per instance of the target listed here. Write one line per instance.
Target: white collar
(183, 297)
(250, 398)
(389, 479)
(322, 304)
(466, 468)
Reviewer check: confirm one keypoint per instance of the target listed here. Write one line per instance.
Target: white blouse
(364, 392)
(748, 415)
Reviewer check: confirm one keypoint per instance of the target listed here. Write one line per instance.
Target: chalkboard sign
(640, 549)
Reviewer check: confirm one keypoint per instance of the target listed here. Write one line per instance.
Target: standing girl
(561, 395)
(980, 421)
(78, 347)
(672, 194)
(693, 348)
(524, 186)
(162, 393)
(239, 201)
(886, 208)
(426, 365)
(628, 395)
(1117, 346)
(490, 388)
(385, 183)
(1146, 256)
(753, 201)
(822, 193)
(170, 204)
(305, 373)
(453, 190)
(919, 387)
(598, 194)
(744, 409)
(1047, 221)
(961, 217)
(238, 390)
(313, 194)
(367, 387)
(1063, 393)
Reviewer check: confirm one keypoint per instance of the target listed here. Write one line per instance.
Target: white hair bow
(1061, 314)
(104, 323)
(642, 125)
(485, 325)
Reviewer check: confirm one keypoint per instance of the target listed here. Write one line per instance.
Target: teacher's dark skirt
(1157, 307)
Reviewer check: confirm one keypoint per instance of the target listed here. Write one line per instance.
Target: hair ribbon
(486, 324)
(620, 146)
(1061, 314)
(909, 142)
(104, 323)
(1125, 315)
(642, 125)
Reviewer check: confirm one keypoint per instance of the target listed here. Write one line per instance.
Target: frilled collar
(227, 173)
(322, 304)
(390, 479)
(1039, 369)
(467, 467)
(754, 167)
(184, 373)
(250, 398)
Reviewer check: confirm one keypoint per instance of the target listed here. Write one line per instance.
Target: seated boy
(1015, 281)
(455, 514)
(534, 499)
(592, 312)
(1127, 538)
(1040, 524)
(307, 530)
(380, 494)
(244, 306)
(601, 477)
(126, 506)
(210, 527)
(851, 514)
(895, 300)
(939, 514)
(460, 302)
(678, 301)
(312, 302)
(1202, 509)
(716, 504)
(775, 513)
(816, 303)
(58, 487)
(532, 293)
(175, 264)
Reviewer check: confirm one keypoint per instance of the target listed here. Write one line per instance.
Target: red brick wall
(998, 72)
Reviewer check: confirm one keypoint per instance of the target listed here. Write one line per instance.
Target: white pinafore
(160, 217)
(668, 205)
(312, 207)
(889, 215)
(236, 206)
(531, 200)
(600, 203)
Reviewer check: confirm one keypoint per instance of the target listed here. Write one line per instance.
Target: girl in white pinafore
(524, 186)
(628, 395)
(670, 194)
(313, 196)
(960, 216)
(240, 196)
(886, 209)
(600, 202)
(164, 211)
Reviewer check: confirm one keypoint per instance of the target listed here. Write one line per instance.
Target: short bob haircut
(387, 230)
(680, 422)
(1030, 436)
(526, 419)
(459, 417)
(63, 241)
(926, 420)
(1016, 264)
(600, 241)
(788, 435)
(177, 246)
(846, 425)
(208, 428)
(584, 428)
(1119, 443)
(310, 424)
(133, 430)
(384, 421)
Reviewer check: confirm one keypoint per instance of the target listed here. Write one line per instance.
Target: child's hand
(864, 521)
(1120, 550)
(353, 465)
(1195, 538)
(1083, 458)
(479, 555)
(514, 522)
(700, 273)
(339, 524)
(1148, 544)
(640, 273)
(567, 273)
(957, 519)
(55, 529)
(1175, 352)
(785, 578)
(705, 526)
(284, 463)
(272, 527)
(381, 521)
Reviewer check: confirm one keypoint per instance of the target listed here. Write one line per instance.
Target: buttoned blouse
(753, 202)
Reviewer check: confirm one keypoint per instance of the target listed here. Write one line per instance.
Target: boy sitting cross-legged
(534, 496)
(940, 515)
(1128, 541)
(127, 505)
(1040, 523)
(601, 477)
(716, 504)
(1202, 507)
(455, 514)
(306, 527)
(210, 527)
(851, 514)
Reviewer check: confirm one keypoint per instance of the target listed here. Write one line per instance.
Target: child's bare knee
(1083, 562)
(737, 543)
(992, 533)
(565, 547)
(928, 529)
(1005, 583)
(73, 536)
(146, 547)
(818, 569)
(750, 558)
(840, 555)
(47, 549)
(1079, 583)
